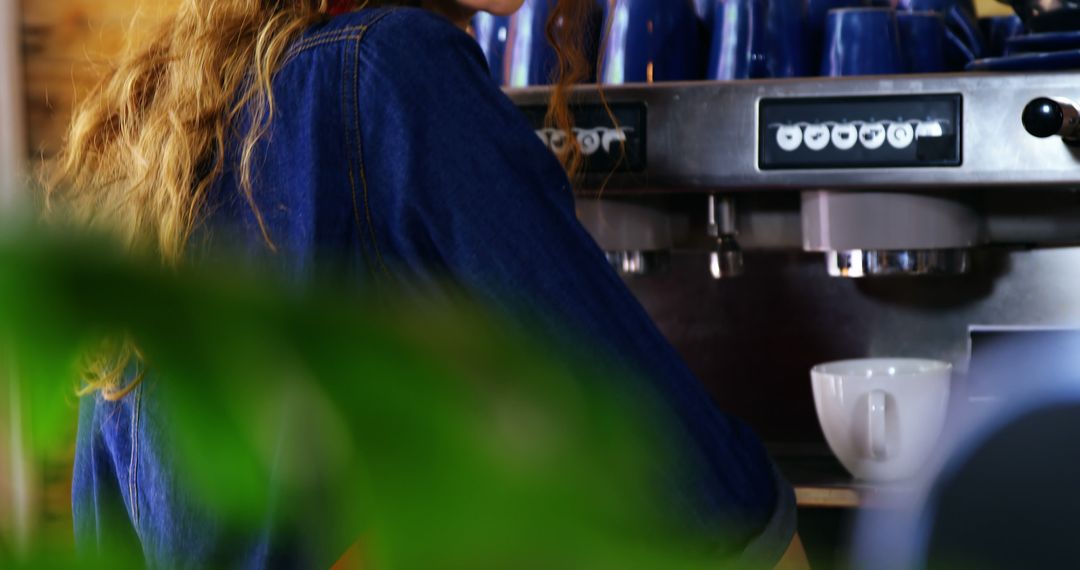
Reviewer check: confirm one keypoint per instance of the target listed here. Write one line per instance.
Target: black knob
(1044, 117)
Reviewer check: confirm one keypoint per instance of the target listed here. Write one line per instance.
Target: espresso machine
(890, 171)
(770, 225)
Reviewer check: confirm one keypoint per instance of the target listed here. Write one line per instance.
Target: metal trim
(858, 264)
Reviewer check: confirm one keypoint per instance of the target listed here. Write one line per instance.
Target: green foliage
(442, 437)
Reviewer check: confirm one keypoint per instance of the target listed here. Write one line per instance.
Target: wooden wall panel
(992, 8)
(68, 44)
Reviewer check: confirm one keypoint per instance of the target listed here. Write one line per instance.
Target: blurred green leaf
(441, 436)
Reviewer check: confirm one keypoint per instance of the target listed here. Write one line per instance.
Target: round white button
(872, 135)
(901, 135)
(789, 137)
(816, 137)
(845, 136)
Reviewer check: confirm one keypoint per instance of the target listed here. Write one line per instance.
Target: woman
(371, 144)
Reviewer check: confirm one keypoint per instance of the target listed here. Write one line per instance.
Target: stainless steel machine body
(1006, 213)
(891, 168)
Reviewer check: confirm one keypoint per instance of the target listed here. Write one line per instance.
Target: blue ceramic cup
(785, 37)
(650, 41)
(862, 41)
(758, 38)
(492, 32)
(705, 10)
(922, 39)
(935, 5)
(816, 12)
(1044, 42)
(529, 59)
(737, 50)
(998, 30)
(962, 24)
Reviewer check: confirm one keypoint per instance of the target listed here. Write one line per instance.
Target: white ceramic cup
(882, 417)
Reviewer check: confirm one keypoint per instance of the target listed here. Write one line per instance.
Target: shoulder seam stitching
(360, 155)
(326, 37)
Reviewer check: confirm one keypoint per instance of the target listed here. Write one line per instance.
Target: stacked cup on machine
(757, 39)
(644, 41)
(861, 41)
(492, 33)
(648, 41)
(923, 41)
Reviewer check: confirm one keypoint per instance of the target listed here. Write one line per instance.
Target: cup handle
(876, 423)
(965, 30)
(958, 49)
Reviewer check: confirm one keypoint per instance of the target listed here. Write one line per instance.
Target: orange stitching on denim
(326, 37)
(352, 174)
(360, 152)
(325, 41)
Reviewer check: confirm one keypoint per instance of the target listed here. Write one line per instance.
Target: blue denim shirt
(392, 156)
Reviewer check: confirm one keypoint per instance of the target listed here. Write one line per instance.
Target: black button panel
(860, 132)
(613, 138)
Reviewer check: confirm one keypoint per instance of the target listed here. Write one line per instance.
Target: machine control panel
(613, 137)
(860, 132)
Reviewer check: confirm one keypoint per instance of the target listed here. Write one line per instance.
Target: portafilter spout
(726, 258)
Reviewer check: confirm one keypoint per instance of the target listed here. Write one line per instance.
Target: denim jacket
(393, 156)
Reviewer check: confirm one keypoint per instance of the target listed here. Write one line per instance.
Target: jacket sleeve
(100, 507)
(455, 184)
